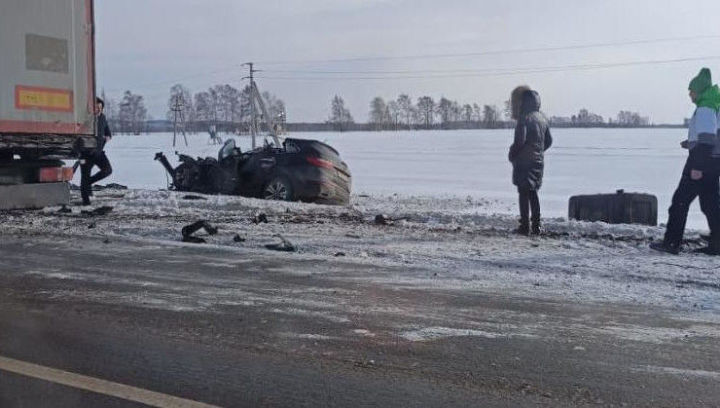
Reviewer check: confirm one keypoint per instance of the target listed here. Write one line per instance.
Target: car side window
(291, 147)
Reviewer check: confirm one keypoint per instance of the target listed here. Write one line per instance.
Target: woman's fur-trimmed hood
(516, 100)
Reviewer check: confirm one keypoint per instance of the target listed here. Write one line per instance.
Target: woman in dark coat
(532, 138)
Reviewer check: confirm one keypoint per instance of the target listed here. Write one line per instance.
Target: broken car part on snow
(618, 208)
(189, 230)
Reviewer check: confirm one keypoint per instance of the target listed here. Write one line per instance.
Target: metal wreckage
(288, 170)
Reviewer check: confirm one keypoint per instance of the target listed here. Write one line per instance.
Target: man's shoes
(708, 250)
(536, 229)
(663, 247)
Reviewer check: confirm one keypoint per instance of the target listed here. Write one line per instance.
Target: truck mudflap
(35, 195)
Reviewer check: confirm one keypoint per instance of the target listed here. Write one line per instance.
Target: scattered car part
(618, 208)
(260, 218)
(193, 240)
(193, 197)
(188, 230)
(98, 212)
(283, 246)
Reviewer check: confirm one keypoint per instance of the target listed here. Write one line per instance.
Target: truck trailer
(47, 98)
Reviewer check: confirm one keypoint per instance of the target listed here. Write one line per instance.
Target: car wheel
(278, 188)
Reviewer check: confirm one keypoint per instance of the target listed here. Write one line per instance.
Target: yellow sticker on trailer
(46, 99)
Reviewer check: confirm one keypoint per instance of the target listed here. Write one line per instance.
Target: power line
(490, 73)
(155, 84)
(234, 67)
(498, 52)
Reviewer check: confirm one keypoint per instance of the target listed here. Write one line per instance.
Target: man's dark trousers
(86, 180)
(708, 188)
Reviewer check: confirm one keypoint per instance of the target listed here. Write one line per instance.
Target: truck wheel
(279, 188)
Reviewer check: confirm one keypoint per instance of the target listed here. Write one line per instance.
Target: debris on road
(98, 212)
(382, 219)
(238, 238)
(284, 246)
(260, 218)
(109, 186)
(193, 240)
(193, 197)
(188, 230)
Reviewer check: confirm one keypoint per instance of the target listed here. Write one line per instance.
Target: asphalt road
(221, 328)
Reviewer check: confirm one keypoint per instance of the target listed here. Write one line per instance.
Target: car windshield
(227, 150)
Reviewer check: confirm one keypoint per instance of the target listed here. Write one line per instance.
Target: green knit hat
(701, 82)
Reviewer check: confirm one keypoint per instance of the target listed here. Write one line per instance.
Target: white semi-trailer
(47, 95)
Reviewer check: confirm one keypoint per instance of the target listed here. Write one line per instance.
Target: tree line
(128, 115)
(425, 113)
(402, 113)
(229, 110)
(222, 106)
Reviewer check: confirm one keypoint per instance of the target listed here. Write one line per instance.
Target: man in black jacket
(97, 157)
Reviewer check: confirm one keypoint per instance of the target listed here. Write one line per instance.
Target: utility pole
(253, 115)
(255, 97)
(177, 108)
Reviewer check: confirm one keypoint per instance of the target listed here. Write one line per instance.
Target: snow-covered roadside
(440, 243)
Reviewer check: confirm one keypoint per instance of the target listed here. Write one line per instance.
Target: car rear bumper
(325, 187)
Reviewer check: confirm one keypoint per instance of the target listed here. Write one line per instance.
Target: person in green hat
(700, 176)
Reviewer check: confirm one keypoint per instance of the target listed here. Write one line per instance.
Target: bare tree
(203, 107)
(426, 110)
(587, 118)
(406, 108)
(394, 113)
(627, 118)
(378, 113)
(491, 116)
(132, 113)
(477, 113)
(467, 113)
(444, 111)
(455, 112)
(340, 116)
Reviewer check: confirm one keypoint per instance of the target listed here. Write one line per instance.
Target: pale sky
(148, 45)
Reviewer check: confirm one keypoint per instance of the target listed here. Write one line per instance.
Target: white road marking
(126, 392)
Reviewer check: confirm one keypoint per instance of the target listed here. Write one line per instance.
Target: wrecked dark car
(300, 170)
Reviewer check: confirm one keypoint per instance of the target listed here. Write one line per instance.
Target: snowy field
(461, 164)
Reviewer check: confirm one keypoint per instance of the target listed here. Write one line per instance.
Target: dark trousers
(708, 188)
(86, 180)
(529, 200)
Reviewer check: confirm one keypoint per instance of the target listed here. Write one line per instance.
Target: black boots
(525, 229)
(713, 247)
(664, 247)
(536, 230)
